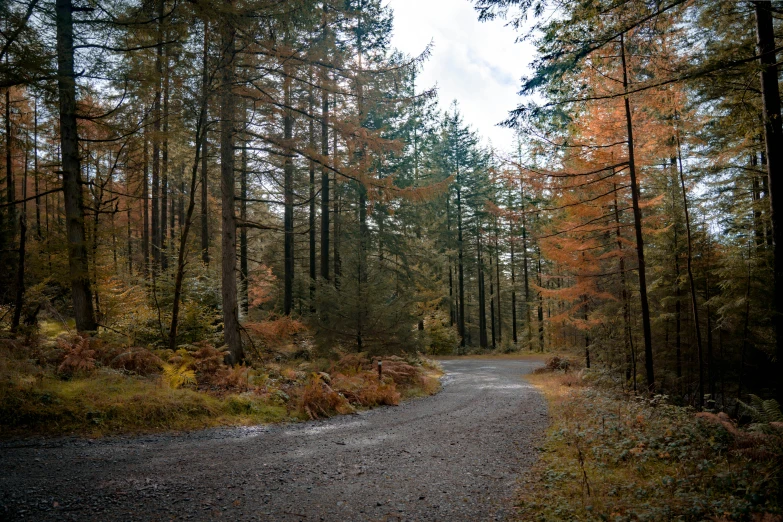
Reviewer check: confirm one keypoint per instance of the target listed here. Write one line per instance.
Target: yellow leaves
(177, 376)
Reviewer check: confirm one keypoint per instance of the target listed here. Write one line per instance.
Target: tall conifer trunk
(71, 171)
(691, 282)
(461, 269)
(325, 153)
(513, 288)
(204, 160)
(156, 127)
(773, 137)
(244, 299)
(637, 217)
(145, 206)
(481, 294)
(228, 216)
(288, 199)
(312, 217)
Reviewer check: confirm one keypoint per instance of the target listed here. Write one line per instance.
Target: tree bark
(492, 302)
(183, 240)
(243, 266)
(481, 296)
(156, 123)
(145, 208)
(71, 171)
(228, 217)
(773, 137)
(312, 216)
(461, 269)
(513, 289)
(19, 300)
(689, 264)
(164, 170)
(637, 218)
(288, 197)
(324, 171)
(204, 161)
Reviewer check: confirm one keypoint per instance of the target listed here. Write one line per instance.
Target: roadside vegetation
(62, 383)
(613, 456)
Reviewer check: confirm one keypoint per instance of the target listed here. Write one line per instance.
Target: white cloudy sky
(476, 63)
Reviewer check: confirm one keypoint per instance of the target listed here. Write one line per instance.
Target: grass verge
(610, 457)
(84, 386)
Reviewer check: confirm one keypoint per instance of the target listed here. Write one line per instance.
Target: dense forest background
(177, 172)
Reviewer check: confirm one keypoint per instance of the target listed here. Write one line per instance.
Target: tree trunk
(481, 297)
(228, 217)
(19, 300)
(461, 269)
(145, 208)
(9, 172)
(71, 171)
(324, 170)
(311, 132)
(637, 218)
(183, 239)
(528, 318)
(164, 171)
(288, 197)
(677, 313)
(694, 303)
(627, 335)
(773, 137)
(38, 232)
(156, 123)
(540, 306)
(497, 284)
(492, 302)
(243, 267)
(513, 289)
(204, 160)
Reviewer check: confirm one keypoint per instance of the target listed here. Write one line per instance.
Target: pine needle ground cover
(87, 386)
(610, 457)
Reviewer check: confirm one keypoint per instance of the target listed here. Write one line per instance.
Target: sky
(476, 63)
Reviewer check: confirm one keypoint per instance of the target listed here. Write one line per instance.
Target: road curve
(452, 456)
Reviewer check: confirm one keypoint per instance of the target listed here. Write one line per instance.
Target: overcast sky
(476, 63)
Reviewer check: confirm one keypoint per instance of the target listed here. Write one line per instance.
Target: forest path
(453, 456)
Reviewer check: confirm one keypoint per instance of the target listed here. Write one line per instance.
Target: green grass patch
(610, 457)
(108, 402)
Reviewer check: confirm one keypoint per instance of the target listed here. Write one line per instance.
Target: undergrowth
(610, 457)
(91, 386)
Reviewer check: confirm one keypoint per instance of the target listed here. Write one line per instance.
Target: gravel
(452, 456)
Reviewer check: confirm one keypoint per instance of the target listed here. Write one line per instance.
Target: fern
(176, 376)
(762, 411)
(79, 357)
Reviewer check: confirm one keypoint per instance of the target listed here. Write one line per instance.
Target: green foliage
(762, 411)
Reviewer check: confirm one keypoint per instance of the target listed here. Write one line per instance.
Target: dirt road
(453, 456)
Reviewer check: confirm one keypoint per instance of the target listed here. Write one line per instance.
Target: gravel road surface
(453, 456)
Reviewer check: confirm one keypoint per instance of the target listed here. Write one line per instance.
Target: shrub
(275, 331)
(400, 371)
(319, 400)
(207, 360)
(137, 360)
(79, 357)
(364, 389)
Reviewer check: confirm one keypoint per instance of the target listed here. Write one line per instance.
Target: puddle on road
(323, 428)
(504, 386)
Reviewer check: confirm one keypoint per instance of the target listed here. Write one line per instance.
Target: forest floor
(452, 456)
(57, 383)
(611, 456)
